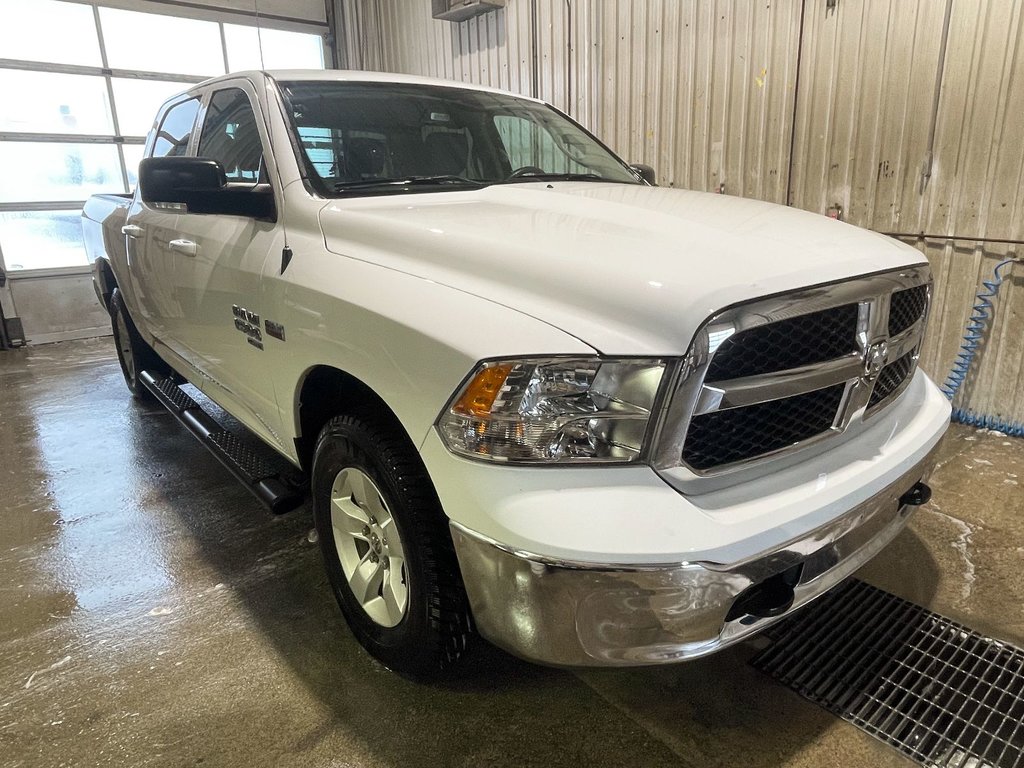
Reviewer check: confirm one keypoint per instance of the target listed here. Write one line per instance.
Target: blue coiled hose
(964, 416)
(981, 313)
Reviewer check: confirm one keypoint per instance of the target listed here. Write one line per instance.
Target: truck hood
(627, 269)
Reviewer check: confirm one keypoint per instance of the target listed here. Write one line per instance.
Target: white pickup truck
(532, 395)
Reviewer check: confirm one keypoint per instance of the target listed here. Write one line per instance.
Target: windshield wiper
(410, 181)
(563, 177)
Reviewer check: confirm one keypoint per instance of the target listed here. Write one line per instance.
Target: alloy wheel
(369, 547)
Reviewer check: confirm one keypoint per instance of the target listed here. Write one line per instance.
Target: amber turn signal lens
(479, 396)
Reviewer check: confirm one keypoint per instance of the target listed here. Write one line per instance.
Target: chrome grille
(891, 380)
(765, 378)
(906, 308)
(723, 437)
(789, 343)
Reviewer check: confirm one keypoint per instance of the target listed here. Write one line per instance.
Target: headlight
(554, 410)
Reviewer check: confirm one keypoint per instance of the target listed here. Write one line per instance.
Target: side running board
(269, 477)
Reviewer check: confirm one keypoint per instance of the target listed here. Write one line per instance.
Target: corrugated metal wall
(867, 84)
(864, 113)
(701, 91)
(977, 190)
(783, 100)
(400, 36)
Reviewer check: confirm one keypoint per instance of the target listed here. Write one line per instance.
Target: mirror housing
(646, 173)
(200, 185)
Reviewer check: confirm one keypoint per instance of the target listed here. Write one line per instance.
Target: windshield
(382, 138)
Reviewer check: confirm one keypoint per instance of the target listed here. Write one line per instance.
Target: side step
(270, 478)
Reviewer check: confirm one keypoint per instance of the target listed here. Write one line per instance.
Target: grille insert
(737, 434)
(906, 308)
(928, 686)
(789, 343)
(890, 379)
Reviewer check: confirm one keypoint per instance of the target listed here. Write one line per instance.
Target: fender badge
(274, 329)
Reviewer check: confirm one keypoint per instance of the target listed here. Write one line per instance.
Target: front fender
(410, 340)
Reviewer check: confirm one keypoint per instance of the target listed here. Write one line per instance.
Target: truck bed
(102, 218)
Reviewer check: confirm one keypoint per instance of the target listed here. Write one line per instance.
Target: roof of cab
(355, 76)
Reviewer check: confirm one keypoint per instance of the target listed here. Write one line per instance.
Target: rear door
(218, 264)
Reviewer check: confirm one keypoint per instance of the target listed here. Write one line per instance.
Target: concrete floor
(155, 614)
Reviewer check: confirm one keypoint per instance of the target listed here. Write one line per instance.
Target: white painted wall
(56, 307)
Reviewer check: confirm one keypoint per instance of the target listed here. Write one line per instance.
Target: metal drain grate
(937, 691)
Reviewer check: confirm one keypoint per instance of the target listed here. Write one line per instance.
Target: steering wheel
(527, 170)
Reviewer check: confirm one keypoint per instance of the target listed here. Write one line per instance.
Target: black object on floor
(932, 688)
(11, 332)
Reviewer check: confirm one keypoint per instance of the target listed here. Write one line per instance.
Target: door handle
(132, 230)
(184, 246)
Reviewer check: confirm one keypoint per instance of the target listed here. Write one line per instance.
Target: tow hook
(916, 496)
(766, 599)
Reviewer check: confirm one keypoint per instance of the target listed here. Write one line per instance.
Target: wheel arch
(105, 282)
(325, 391)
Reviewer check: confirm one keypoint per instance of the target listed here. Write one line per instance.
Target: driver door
(149, 231)
(216, 279)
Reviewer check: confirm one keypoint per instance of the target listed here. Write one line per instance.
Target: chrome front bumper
(585, 614)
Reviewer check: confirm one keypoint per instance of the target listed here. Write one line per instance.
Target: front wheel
(387, 547)
(133, 353)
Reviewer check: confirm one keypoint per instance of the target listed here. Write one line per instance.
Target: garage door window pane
(137, 102)
(154, 43)
(42, 239)
(50, 171)
(132, 158)
(281, 49)
(54, 103)
(45, 30)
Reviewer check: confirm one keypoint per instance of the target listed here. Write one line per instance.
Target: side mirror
(646, 173)
(199, 185)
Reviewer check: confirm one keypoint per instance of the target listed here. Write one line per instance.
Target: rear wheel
(387, 547)
(133, 353)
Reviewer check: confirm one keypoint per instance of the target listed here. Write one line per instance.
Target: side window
(230, 136)
(176, 128)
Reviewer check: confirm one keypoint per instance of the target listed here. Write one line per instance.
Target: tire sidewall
(349, 443)
(145, 357)
(118, 310)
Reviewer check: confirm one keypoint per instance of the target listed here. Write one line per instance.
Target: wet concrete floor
(154, 614)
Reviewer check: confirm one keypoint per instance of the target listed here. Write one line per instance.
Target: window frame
(118, 139)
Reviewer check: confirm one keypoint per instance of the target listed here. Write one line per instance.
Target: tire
(133, 353)
(424, 629)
